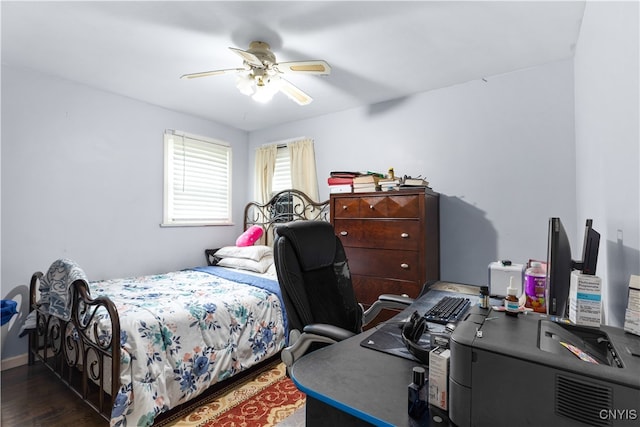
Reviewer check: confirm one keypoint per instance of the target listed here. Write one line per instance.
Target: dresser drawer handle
(404, 235)
(405, 266)
(370, 206)
(344, 233)
(344, 207)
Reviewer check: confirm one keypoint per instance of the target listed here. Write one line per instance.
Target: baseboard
(14, 362)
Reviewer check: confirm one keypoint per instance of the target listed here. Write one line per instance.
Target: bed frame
(284, 206)
(50, 344)
(94, 381)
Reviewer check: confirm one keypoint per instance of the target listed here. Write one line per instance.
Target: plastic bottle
(418, 406)
(511, 300)
(535, 286)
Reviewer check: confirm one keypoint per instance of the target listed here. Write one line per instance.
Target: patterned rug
(261, 401)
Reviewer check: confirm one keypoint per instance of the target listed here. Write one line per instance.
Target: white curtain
(303, 167)
(265, 165)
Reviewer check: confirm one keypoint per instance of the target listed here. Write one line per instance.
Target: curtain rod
(283, 143)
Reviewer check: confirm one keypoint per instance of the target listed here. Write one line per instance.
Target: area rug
(261, 401)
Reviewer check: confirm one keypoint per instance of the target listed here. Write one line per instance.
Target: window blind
(282, 172)
(198, 180)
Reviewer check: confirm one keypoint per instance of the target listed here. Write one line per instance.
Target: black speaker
(412, 330)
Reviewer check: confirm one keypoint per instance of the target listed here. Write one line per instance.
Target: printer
(534, 369)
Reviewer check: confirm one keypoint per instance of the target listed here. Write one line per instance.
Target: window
(282, 172)
(285, 165)
(197, 183)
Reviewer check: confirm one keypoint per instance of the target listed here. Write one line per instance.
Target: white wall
(608, 143)
(500, 152)
(82, 177)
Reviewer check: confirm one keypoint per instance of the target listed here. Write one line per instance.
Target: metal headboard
(284, 206)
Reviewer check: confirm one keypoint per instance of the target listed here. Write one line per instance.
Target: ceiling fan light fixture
(245, 84)
(260, 75)
(266, 89)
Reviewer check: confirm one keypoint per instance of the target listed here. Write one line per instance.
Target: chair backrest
(314, 276)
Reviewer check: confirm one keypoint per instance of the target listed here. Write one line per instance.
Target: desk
(347, 384)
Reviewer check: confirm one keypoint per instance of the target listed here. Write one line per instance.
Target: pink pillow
(250, 236)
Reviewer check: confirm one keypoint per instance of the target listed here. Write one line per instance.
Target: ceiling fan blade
(211, 73)
(248, 57)
(294, 93)
(309, 67)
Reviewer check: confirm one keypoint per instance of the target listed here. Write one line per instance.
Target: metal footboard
(83, 352)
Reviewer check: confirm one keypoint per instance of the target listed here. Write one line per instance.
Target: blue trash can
(8, 309)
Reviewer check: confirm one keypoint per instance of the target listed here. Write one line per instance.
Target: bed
(136, 348)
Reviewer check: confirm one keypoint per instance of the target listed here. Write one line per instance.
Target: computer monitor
(560, 264)
(590, 248)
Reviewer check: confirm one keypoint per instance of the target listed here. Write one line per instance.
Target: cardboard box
(585, 299)
(439, 377)
(632, 314)
(632, 321)
(500, 275)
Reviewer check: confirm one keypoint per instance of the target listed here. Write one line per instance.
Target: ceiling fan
(260, 77)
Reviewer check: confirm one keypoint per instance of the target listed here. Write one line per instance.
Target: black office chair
(316, 288)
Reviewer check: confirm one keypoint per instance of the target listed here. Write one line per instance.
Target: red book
(337, 180)
(344, 174)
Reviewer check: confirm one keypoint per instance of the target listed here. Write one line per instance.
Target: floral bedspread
(183, 331)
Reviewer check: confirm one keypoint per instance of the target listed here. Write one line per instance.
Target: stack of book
(365, 183)
(632, 314)
(409, 183)
(389, 184)
(341, 182)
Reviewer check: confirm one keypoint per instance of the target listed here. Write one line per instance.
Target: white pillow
(272, 270)
(255, 252)
(248, 264)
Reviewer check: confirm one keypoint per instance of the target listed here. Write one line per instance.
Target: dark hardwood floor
(33, 396)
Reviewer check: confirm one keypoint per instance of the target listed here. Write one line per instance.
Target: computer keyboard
(448, 309)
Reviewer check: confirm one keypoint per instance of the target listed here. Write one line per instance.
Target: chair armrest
(400, 299)
(298, 349)
(386, 302)
(315, 333)
(334, 332)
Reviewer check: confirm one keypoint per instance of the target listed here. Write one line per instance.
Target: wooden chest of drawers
(391, 239)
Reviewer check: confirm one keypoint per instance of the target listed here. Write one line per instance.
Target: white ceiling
(378, 51)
